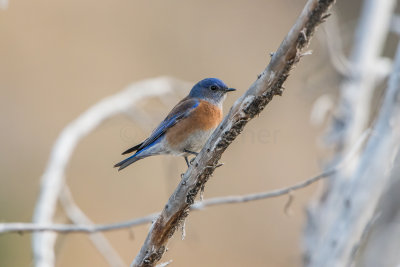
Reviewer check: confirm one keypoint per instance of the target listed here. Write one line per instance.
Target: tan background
(60, 57)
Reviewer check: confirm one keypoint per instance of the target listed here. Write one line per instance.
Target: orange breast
(205, 117)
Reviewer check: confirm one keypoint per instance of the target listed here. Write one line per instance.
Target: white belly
(194, 142)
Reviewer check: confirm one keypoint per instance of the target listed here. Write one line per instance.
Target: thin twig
(91, 228)
(259, 196)
(71, 228)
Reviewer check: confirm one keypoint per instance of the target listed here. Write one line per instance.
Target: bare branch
(353, 112)
(338, 223)
(73, 228)
(90, 228)
(54, 175)
(249, 105)
(259, 196)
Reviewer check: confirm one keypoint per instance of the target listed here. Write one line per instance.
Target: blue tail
(126, 162)
(137, 156)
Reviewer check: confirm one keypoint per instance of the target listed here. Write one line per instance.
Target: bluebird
(187, 127)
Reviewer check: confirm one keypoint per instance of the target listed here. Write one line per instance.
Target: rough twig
(249, 105)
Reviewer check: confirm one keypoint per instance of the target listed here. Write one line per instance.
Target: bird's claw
(219, 165)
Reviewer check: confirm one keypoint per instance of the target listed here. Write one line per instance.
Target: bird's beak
(230, 89)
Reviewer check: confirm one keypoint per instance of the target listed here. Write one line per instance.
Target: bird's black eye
(214, 87)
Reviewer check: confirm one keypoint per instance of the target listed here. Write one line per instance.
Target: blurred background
(60, 57)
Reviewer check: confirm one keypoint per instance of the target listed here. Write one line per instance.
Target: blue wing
(179, 112)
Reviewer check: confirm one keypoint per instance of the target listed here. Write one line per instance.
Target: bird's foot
(219, 165)
(190, 152)
(187, 161)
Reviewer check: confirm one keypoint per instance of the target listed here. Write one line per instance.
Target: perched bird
(187, 127)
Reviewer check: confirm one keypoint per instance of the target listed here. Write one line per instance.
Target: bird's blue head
(210, 89)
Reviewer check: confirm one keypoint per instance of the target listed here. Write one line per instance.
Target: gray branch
(356, 92)
(338, 224)
(249, 105)
(88, 227)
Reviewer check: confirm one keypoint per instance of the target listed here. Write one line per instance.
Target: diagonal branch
(261, 92)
